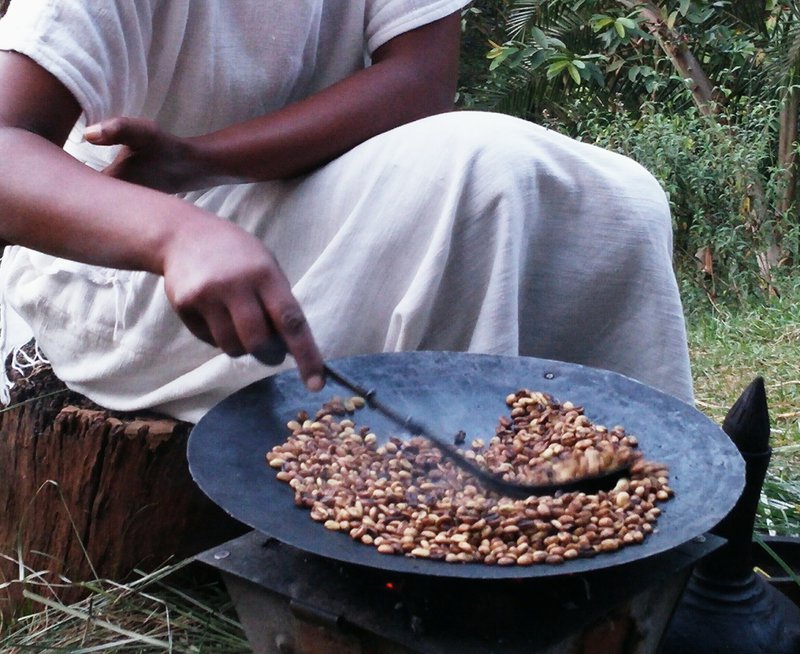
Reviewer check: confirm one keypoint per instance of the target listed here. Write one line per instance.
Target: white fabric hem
(413, 19)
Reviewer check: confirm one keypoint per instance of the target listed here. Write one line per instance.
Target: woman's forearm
(412, 76)
(223, 283)
(54, 204)
(51, 202)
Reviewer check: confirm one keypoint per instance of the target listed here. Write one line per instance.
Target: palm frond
(783, 50)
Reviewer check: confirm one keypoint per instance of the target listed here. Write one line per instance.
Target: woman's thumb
(120, 131)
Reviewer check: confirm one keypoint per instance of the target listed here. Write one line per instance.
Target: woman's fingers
(255, 331)
(230, 291)
(290, 323)
(149, 156)
(223, 330)
(196, 324)
(247, 326)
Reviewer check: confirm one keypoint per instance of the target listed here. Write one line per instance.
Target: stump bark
(85, 491)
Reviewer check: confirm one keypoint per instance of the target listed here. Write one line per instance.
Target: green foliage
(556, 56)
(482, 22)
(618, 73)
(722, 186)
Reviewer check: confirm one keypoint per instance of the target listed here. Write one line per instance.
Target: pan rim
(226, 479)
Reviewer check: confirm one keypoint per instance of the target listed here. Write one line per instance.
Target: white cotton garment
(464, 231)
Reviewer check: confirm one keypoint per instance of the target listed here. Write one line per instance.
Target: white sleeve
(96, 48)
(386, 19)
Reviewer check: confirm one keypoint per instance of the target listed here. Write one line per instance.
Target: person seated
(186, 181)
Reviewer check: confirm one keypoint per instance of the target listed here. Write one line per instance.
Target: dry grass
(147, 615)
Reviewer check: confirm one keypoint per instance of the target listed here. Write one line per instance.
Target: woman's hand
(152, 157)
(230, 291)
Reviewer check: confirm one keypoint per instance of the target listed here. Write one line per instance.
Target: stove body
(292, 602)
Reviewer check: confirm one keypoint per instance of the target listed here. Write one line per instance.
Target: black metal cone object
(726, 607)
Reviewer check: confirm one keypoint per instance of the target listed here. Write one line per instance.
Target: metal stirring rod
(603, 481)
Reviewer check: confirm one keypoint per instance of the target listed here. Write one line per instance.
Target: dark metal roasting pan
(451, 392)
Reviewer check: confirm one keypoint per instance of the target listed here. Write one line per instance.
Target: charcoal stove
(299, 588)
(292, 602)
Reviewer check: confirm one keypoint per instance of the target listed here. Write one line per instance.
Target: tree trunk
(786, 147)
(89, 492)
(684, 61)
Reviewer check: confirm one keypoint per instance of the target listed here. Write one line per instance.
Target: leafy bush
(692, 89)
(723, 190)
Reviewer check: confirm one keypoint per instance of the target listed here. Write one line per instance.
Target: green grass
(779, 510)
(728, 351)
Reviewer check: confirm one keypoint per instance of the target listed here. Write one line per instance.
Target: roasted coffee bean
(403, 497)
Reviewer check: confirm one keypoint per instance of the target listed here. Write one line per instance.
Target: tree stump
(86, 491)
